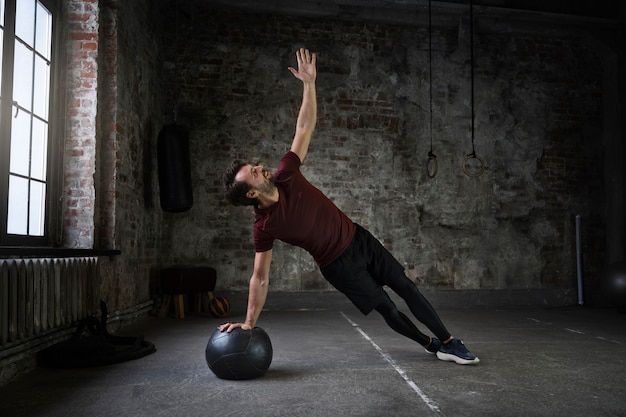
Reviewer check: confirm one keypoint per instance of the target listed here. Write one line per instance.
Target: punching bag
(174, 165)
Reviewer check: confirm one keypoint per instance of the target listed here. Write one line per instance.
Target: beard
(268, 184)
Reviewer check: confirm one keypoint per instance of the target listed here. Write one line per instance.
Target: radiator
(40, 296)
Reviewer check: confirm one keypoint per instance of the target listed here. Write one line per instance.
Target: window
(26, 46)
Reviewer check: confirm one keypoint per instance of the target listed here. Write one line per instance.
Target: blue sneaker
(434, 346)
(455, 351)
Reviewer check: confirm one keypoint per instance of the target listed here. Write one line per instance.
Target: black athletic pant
(421, 309)
(362, 271)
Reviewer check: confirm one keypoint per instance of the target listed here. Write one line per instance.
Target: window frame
(53, 222)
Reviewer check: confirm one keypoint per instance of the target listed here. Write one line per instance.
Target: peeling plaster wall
(538, 126)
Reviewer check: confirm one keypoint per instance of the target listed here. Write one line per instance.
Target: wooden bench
(176, 281)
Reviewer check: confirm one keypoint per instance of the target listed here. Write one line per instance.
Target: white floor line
(577, 331)
(430, 403)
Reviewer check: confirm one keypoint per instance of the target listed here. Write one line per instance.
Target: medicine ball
(219, 306)
(240, 354)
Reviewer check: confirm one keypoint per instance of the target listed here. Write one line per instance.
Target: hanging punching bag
(174, 169)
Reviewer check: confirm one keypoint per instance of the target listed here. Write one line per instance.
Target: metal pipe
(579, 262)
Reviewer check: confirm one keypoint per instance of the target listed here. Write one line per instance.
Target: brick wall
(538, 126)
(82, 86)
(129, 218)
(109, 55)
(113, 117)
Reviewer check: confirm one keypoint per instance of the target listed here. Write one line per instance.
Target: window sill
(33, 252)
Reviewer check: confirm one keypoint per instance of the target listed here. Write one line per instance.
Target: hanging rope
(431, 164)
(176, 62)
(469, 166)
(472, 70)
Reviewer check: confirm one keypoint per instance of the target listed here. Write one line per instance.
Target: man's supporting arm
(259, 283)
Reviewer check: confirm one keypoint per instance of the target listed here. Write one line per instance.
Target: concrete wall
(540, 124)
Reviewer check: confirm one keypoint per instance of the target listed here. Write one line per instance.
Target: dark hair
(236, 191)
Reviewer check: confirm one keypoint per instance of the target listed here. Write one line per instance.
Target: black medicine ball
(240, 354)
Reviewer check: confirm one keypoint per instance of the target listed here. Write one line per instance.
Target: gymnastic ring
(477, 173)
(432, 160)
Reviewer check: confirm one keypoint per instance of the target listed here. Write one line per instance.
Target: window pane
(37, 208)
(20, 144)
(43, 32)
(25, 20)
(31, 67)
(39, 150)
(23, 76)
(42, 87)
(18, 205)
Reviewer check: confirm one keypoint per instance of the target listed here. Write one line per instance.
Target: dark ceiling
(608, 9)
(492, 15)
(596, 13)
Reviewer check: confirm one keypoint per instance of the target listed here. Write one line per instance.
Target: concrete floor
(534, 362)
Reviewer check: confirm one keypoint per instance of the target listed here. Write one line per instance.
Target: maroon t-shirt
(303, 216)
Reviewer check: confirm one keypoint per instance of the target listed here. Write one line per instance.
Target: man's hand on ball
(228, 327)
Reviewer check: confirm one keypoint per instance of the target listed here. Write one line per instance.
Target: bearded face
(267, 186)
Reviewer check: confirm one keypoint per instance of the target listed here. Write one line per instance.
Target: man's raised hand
(306, 66)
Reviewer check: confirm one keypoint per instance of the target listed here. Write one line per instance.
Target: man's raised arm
(307, 117)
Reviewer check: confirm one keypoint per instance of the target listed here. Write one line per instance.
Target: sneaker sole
(453, 358)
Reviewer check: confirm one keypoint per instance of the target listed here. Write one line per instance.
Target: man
(287, 207)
